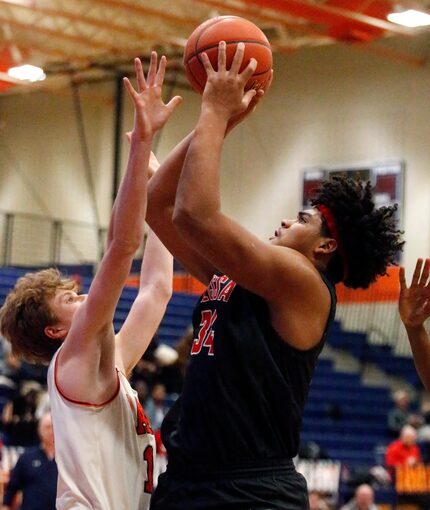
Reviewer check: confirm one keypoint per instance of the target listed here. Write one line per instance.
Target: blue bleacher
(381, 355)
(358, 425)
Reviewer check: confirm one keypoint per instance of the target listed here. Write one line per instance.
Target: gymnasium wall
(329, 105)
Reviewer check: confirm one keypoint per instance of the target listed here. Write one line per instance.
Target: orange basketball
(232, 30)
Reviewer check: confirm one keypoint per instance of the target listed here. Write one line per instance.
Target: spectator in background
(404, 451)
(364, 499)
(155, 407)
(423, 433)
(316, 501)
(19, 423)
(401, 414)
(35, 473)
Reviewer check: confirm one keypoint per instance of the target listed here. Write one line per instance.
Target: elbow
(126, 247)
(183, 219)
(165, 292)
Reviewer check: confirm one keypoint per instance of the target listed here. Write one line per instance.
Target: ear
(326, 246)
(56, 332)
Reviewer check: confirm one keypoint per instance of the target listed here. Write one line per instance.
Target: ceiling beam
(126, 30)
(149, 11)
(258, 15)
(328, 15)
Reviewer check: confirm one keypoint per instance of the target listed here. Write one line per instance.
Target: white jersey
(104, 453)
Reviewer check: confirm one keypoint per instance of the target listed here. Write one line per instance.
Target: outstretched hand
(414, 301)
(150, 111)
(225, 88)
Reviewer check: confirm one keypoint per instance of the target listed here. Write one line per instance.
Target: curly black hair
(368, 235)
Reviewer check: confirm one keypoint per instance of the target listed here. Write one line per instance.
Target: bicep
(267, 270)
(138, 329)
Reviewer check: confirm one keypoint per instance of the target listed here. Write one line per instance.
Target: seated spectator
(19, 423)
(316, 501)
(364, 499)
(35, 473)
(404, 451)
(400, 414)
(155, 407)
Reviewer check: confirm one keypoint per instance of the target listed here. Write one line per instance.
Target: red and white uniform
(104, 453)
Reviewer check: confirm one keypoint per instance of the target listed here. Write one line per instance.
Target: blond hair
(26, 313)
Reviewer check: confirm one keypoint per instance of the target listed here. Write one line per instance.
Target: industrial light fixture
(410, 18)
(27, 73)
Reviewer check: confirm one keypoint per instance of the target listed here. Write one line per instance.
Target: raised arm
(155, 290)
(161, 201)
(279, 274)
(87, 357)
(414, 308)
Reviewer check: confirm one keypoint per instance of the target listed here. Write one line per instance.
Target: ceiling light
(410, 18)
(27, 73)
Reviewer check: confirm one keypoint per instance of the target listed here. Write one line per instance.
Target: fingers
(238, 58)
(425, 273)
(417, 272)
(174, 103)
(222, 49)
(249, 70)
(141, 85)
(152, 71)
(206, 63)
(248, 97)
(402, 278)
(161, 72)
(129, 88)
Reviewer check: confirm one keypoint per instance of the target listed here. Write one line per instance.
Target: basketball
(232, 30)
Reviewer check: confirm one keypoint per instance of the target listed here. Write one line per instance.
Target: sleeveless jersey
(104, 453)
(245, 388)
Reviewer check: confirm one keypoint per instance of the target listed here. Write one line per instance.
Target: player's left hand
(414, 301)
(224, 88)
(150, 111)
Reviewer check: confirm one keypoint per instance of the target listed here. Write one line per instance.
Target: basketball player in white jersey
(104, 443)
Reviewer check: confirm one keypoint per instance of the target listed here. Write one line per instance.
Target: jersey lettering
(148, 457)
(143, 424)
(219, 288)
(206, 333)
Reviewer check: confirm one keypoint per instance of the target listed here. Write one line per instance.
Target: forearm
(420, 345)
(163, 185)
(127, 223)
(198, 194)
(157, 267)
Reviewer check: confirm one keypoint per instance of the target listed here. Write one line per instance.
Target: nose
(286, 223)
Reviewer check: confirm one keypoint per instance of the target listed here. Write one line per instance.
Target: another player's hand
(224, 88)
(150, 111)
(414, 301)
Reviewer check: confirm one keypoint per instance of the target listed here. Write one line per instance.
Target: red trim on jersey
(79, 402)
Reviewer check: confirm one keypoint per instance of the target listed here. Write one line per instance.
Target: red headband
(332, 228)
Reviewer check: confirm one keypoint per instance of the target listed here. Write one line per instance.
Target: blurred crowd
(158, 379)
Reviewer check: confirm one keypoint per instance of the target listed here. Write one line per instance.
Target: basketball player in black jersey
(261, 324)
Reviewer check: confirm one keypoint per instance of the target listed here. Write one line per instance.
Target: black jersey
(245, 388)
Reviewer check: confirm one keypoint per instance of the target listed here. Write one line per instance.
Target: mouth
(276, 234)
